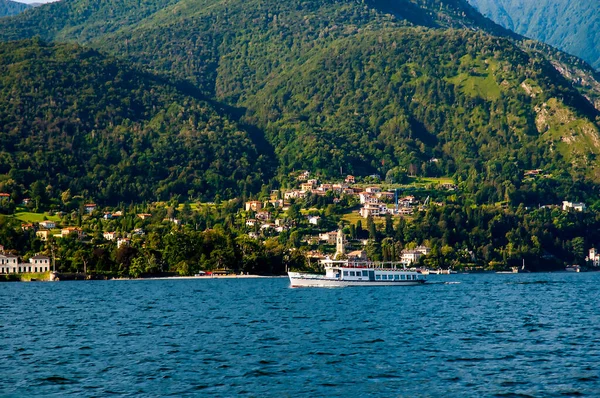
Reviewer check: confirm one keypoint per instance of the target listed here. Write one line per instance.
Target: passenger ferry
(340, 273)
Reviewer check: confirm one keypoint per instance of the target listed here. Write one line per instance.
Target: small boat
(573, 268)
(342, 273)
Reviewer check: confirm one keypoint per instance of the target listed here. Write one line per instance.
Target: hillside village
(306, 215)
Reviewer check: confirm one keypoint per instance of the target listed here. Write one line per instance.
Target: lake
(458, 336)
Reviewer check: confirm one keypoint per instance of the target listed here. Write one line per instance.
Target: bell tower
(340, 249)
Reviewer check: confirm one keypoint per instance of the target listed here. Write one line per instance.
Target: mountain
(80, 121)
(429, 87)
(8, 8)
(572, 26)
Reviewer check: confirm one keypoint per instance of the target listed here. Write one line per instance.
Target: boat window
(384, 277)
(345, 273)
(377, 276)
(403, 277)
(365, 273)
(396, 277)
(414, 277)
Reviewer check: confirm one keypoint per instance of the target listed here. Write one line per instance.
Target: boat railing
(365, 264)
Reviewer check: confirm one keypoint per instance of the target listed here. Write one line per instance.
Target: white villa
(9, 264)
(48, 224)
(577, 206)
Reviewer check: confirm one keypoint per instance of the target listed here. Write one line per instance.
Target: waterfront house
(9, 264)
(411, 256)
(593, 257)
(39, 264)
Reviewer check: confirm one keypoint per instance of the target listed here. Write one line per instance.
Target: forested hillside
(426, 87)
(76, 120)
(8, 8)
(572, 26)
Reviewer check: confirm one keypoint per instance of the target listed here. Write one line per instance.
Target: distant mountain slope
(74, 119)
(8, 8)
(383, 98)
(572, 26)
(426, 86)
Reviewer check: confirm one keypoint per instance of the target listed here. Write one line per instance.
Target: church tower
(340, 247)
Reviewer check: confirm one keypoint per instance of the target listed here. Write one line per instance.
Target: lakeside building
(594, 257)
(9, 264)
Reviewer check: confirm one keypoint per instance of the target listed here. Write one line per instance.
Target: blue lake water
(460, 335)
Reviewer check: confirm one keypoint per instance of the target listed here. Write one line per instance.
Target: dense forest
(423, 87)
(569, 25)
(76, 120)
(8, 8)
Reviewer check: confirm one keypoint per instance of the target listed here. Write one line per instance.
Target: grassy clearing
(479, 80)
(29, 217)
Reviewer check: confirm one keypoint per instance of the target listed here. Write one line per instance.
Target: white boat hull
(310, 280)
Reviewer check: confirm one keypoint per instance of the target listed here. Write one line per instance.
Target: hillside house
(350, 179)
(110, 235)
(314, 220)
(48, 224)
(254, 205)
(373, 189)
(306, 187)
(72, 230)
(144, 216)
(43, 235)
(577, 206)
(89, 208)
(329, 237)
(250, 222)
(263, 215)
(304, 175)
(4, 197)
(123, 242)
(374, 210)
(367, 198)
